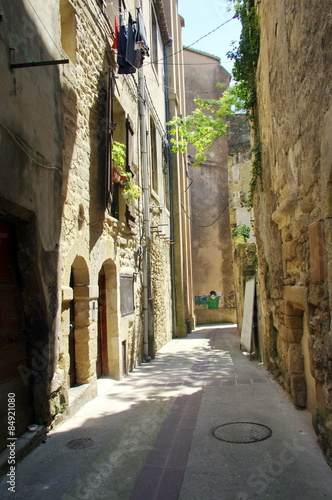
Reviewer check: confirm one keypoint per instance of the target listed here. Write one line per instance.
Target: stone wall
(293, 202)
(97, 245)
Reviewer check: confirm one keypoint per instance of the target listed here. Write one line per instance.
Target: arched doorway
(71, 338)
(14, 370)
(79, 371)
(102, 353)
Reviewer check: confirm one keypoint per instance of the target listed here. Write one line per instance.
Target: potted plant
(130, 190)
(118, 162)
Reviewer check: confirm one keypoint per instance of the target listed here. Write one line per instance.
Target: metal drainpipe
(169, 154)
(146, 217)
(146, 211)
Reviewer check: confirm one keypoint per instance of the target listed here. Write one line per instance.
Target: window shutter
(109, 132)
(130, 210)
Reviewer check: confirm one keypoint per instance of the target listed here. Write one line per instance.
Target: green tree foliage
(241, 230)
(207, 123)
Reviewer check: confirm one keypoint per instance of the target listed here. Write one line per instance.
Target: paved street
(160, 434)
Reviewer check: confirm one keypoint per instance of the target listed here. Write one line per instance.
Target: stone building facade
(183, 299)
(207, 184)
(293, 202)
(244, 252)
(30, 210)
(88, 271)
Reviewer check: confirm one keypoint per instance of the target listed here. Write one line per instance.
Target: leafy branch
(206, 124)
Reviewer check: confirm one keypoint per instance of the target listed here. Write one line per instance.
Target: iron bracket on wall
(41, 63)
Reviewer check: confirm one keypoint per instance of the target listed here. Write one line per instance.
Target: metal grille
(80, 444)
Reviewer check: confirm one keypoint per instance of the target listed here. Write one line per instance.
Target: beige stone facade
(94, 272)
(184, 315)
(105, 242)
(293, 202)
(209, 197)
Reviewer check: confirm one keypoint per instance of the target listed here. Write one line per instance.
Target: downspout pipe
(146, 212)
(146, 217)
(170, 167)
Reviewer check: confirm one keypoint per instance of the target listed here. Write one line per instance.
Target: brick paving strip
(162, 475)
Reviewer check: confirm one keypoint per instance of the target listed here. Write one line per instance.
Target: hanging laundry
(116, 33)
(126, 48)
(130, 51)
(141, 38)
(141, 44)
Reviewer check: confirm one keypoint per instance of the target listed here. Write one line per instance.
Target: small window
(154, 156)
(154, 40)
(68, 29)
(127, 294)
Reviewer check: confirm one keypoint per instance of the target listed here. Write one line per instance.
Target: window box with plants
(130, 191)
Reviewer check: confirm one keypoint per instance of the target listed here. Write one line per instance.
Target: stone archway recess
(296, 337)
(83, 337)
(114, 349)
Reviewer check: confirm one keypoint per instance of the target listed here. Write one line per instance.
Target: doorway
(102, 355)
(14, 366)
(71, 339)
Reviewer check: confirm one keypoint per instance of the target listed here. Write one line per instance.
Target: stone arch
(301, 382)
(114, 348)
(80, 322)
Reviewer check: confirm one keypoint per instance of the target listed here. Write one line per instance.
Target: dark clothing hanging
(132, 45)
(141, 45)
(126, 48)
(130, 52)
(141, 37)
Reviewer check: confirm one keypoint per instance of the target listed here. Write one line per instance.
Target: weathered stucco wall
(211, 239)
(293, 202)
(30, 202)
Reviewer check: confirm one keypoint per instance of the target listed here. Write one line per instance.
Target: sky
(204, 17)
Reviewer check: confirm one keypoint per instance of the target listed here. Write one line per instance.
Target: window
(154, 156)
(127, 294)
(68, 29)
(154, 39)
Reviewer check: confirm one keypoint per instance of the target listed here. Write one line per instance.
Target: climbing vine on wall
(245, 57)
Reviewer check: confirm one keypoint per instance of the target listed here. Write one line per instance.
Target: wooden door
(71, 340)
(102, 356)
(15, 375)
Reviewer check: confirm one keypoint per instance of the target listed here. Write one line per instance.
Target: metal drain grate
(79, 444)
(242, 432)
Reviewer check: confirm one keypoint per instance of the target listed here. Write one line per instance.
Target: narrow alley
(201, 421)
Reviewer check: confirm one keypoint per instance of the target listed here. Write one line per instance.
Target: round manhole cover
(80, 444)
(242, 432)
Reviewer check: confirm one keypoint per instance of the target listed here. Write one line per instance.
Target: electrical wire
(56, 46)
(17, 41)
(207, 225)
(28, 155)
(196, 41)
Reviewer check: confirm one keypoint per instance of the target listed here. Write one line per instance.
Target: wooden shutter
(130, 210)
(109, 139)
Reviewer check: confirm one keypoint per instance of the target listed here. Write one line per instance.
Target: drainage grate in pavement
(80, 444)
(242, 432)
